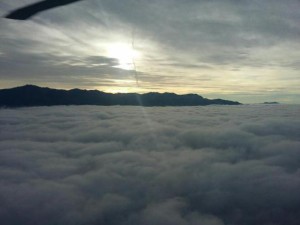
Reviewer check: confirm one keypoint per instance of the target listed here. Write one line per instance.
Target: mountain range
(31, 95)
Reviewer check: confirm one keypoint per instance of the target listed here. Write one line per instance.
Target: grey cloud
(194, 25)
(129, 165)
(237, 37)
(100, 60)
(48, 67)
(202, 20)
(218, 32)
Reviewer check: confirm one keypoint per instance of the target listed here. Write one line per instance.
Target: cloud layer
(211, 165)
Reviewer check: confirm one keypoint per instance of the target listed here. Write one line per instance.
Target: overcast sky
(240, 50)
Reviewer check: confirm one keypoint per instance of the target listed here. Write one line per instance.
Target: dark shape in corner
(26, 12)
(30, 95)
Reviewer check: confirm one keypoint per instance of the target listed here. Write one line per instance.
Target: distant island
(270, 103)
(31, 95)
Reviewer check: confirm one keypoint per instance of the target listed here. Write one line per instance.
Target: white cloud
(129, 165)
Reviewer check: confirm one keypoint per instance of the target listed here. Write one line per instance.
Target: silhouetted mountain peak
(28, 86)
(32, 95)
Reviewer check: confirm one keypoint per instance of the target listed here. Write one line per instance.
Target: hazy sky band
(239, 50)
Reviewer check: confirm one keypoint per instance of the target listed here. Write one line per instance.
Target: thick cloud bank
(216, 165)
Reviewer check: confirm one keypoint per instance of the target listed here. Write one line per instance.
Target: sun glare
(125, 54)
(118, 90)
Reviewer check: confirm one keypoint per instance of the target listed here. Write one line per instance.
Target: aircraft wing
(26, 12)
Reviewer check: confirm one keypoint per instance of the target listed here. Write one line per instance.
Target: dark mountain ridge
(31, 95)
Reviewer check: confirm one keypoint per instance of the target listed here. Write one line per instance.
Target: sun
(125, 55)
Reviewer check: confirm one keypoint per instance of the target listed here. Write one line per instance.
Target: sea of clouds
(95, 165)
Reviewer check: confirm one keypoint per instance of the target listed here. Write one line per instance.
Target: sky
(247, 51)
(120, 165)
